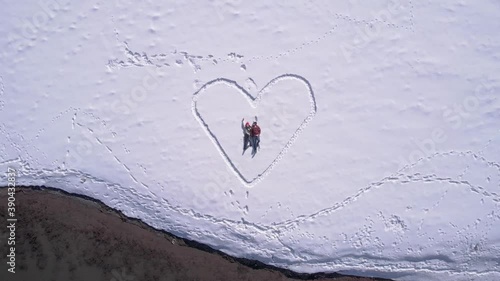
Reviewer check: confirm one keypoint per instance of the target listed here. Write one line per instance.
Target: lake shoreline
(58, 230)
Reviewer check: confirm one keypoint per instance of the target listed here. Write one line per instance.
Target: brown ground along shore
(64, 237)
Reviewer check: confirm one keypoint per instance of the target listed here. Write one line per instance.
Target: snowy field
(380, 145)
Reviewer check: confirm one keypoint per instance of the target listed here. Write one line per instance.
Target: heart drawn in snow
(284, 106)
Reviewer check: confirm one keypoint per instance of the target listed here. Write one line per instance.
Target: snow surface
(380, 149)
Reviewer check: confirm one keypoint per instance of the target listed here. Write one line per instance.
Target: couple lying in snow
(251, 136)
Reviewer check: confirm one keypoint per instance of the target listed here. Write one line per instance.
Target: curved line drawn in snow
(254, 101)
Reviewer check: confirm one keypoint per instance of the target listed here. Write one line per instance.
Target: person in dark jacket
(247, 131)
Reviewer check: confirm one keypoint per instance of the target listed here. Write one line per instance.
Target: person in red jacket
(255, 137)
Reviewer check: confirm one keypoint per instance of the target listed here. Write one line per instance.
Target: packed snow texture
(380, 149)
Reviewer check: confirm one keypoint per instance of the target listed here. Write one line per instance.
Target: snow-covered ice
(380, 146)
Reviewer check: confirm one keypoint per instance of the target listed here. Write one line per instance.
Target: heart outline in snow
(254, 101)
